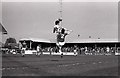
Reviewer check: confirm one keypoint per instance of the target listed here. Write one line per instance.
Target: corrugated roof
(74, 41)
(94, 41)
(35, 40)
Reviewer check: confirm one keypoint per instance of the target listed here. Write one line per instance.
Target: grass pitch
(46, 65)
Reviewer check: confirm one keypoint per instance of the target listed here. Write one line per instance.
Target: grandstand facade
(32, 43)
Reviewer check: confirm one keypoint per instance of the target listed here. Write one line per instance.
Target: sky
(36, 19)
(0, 21)
(58, 0)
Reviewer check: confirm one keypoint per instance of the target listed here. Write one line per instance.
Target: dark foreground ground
(45, 65)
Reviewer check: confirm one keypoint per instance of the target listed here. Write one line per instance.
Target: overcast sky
(36, 19)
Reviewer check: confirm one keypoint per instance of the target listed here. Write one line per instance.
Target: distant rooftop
(35, 40)
(94, 41)
(74, 41)
(2, 29)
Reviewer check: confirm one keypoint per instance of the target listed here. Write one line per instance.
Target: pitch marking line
(8, 68)
(78, 64)
(99, 62)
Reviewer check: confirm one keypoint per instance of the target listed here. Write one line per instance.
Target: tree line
(11, 43)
